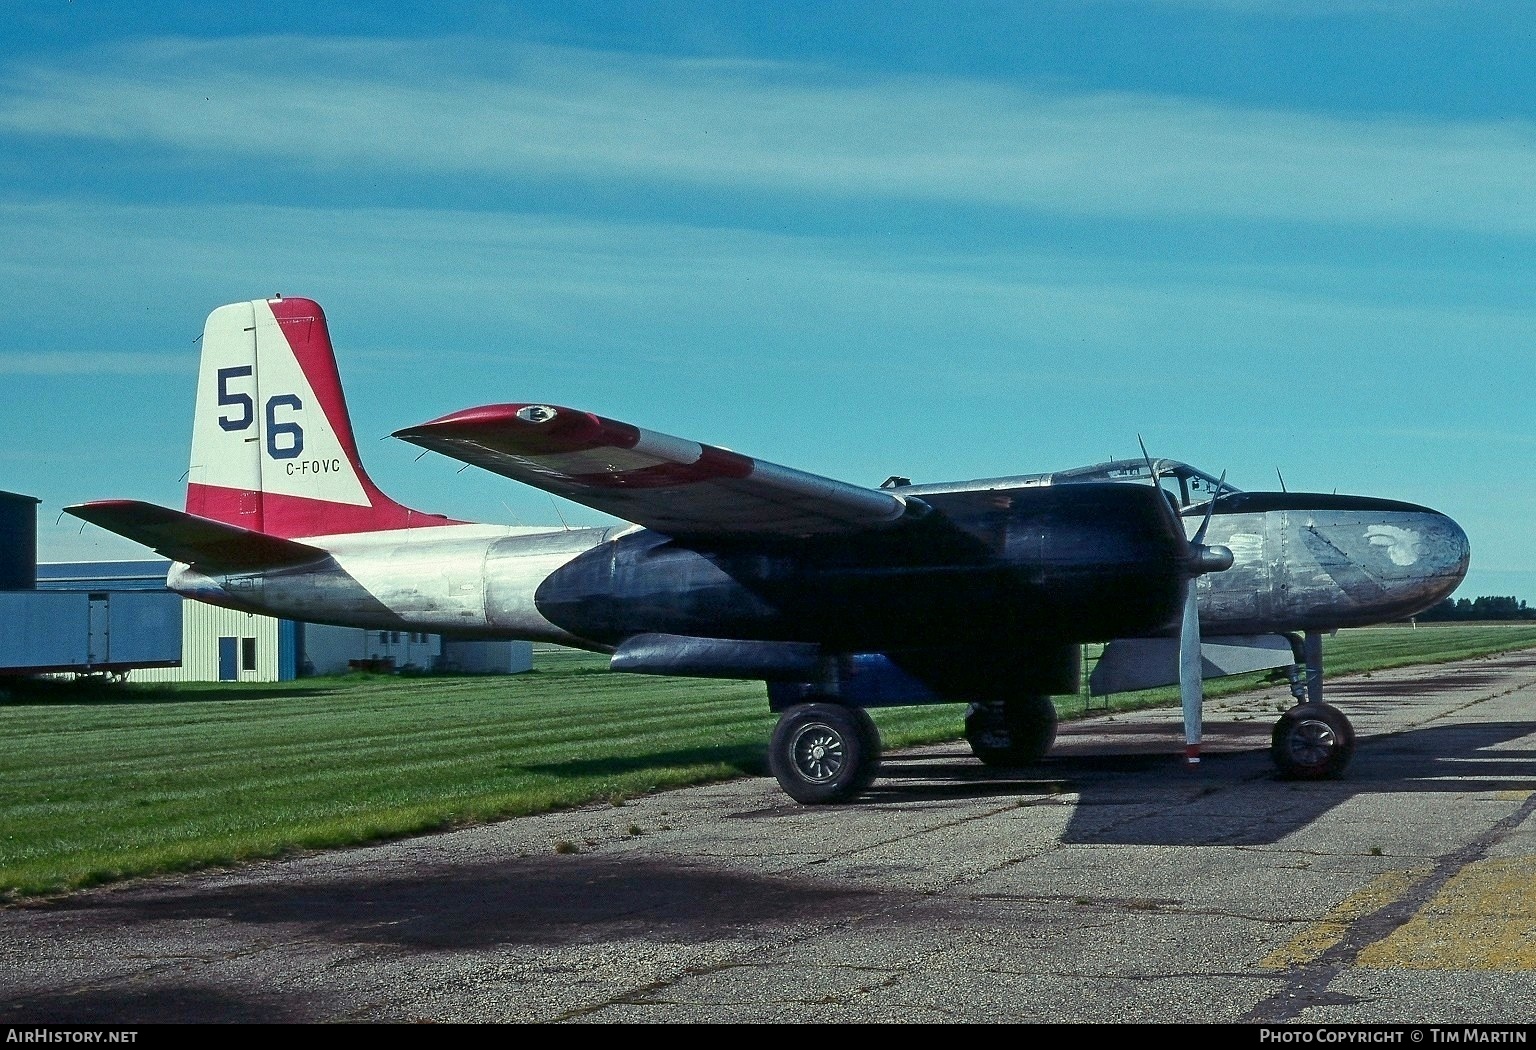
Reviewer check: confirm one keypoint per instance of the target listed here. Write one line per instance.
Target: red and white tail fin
(272, 445)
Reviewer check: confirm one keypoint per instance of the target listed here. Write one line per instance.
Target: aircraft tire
(1312, 742)
(824, 752)
(1010, 733)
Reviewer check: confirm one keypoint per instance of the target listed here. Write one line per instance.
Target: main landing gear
(1013, 732)
(824, 752)
(1313, 740)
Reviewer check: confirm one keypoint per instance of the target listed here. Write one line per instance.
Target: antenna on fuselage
(1282, 480)
(552, 503)
(1151, 467)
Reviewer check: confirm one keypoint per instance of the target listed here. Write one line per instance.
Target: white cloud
(450, 108)
(595, 288)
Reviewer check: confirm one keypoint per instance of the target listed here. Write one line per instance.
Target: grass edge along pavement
(100, 783)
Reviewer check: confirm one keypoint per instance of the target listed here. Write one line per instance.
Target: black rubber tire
(824, 752)
(1011, 733)
(1312, 742)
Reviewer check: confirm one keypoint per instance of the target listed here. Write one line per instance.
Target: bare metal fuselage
(1306, 562)
(979, 571)
(475, 581)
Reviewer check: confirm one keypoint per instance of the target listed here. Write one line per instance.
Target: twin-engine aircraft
(840, 597)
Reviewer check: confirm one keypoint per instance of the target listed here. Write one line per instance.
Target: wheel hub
(1312, 741)
(818, 753)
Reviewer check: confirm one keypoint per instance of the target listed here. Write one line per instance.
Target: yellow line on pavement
(1331, 928)
(1483, 919)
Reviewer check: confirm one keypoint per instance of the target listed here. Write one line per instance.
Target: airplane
(840, 597)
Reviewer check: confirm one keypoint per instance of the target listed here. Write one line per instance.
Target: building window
(394, 636)
(383, 637)
(247, 654)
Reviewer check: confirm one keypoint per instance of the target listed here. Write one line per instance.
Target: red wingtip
(530, 429)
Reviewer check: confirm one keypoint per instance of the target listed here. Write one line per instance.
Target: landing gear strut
(1013, 732)
(824, 752)
(1313, 740)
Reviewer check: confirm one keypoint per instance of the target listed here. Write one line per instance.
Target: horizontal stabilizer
(1129, 664)
(208, 544)
(665, 483)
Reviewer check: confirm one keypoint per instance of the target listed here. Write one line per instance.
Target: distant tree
(1485, 607)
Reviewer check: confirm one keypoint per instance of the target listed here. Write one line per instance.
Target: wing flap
(665, 483)
(208, 544)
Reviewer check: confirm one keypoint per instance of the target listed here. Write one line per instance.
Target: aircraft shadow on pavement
(587, 900)
(178, 1004)
(543, 898)
(1429, 684)
(1131, 790)
(1131, 786)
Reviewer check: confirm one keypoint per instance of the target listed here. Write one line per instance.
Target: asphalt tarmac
(1109, 884)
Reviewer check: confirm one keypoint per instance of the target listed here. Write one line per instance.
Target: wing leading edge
(665, 483)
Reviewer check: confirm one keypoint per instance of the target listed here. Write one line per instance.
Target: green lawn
(102, 782)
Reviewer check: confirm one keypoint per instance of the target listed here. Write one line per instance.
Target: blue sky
(941, 240)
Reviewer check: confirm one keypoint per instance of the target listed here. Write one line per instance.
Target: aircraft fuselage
(983, 566)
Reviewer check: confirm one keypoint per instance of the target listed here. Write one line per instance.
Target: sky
(1289, 240)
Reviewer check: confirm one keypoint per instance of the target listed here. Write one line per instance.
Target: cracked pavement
(1108, 884)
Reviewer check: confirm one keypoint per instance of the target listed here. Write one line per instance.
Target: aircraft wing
(665, 483)
(209, 544)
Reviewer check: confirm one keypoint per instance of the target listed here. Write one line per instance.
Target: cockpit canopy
(1187, 486)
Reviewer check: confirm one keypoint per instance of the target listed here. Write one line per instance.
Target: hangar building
(96, 629)
(118, 617)
(226, 645)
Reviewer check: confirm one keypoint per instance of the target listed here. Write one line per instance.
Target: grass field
(101, 782)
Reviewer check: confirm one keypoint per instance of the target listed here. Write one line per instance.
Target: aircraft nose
(1448, 555)
(1356, 561)
(1418, 556)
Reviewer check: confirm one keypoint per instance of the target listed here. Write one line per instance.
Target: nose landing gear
(1313, 740)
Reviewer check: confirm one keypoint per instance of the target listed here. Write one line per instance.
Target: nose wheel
(1312, 742)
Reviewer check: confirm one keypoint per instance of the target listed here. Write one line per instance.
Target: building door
(229, 669)
(99, 644)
